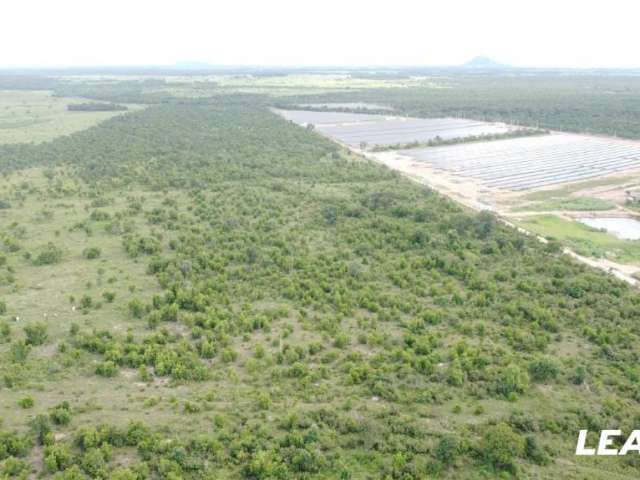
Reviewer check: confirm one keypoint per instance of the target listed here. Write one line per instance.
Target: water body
(623, 228)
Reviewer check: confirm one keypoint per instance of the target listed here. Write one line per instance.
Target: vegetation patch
(439, 142)
(583, 239)
(201, 289)
(569, 204)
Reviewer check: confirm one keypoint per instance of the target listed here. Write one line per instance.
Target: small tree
(19, 351)
(447, 449)
(544, 369)
(41, 426)
(500, 446)
(86, 302)
(61, 414)
(57, 457)
(107, 369)
(109, 297)
(511, 381)
(26, 402)
(136, 308)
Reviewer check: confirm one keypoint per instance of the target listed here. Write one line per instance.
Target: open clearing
(526, 163)
(38, 116)
(355, 129)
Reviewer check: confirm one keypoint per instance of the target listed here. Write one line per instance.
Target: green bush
(501, 446)
(13, 445)
(41, 427)
(91, 253)
(511, 380)
(447, 449)
(26, 402)
(109, 297)
(534, 452)
(579, 375)
(14, 467)
(61, 414)
(136, 308)
(94, 464)
(229, 355)
(341, 341)
(263, 401)
(125, 474)
(50, 254)
(36, 334)
(72, 473)
(191, 407)
(86, 302)
(57, 457)
(544, 369)
(5, 332)
(19, 351)
(107, 369)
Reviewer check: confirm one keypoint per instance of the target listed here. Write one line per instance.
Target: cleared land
(38, 116)
(526, 163)
(355, 129)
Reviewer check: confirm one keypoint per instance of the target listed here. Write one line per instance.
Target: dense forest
(256, 302)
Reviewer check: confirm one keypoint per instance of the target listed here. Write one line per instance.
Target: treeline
(96, 107)
(439, 141)
(130, 91)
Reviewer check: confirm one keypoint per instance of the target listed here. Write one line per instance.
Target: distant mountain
(484, 63)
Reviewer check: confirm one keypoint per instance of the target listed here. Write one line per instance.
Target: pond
(623, 228)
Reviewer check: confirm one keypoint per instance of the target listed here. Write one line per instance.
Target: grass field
(37, 116)
(568, 204)
(583, 239)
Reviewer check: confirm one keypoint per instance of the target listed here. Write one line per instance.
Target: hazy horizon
(285, 33)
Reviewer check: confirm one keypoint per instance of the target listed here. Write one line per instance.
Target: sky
(531, 33)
